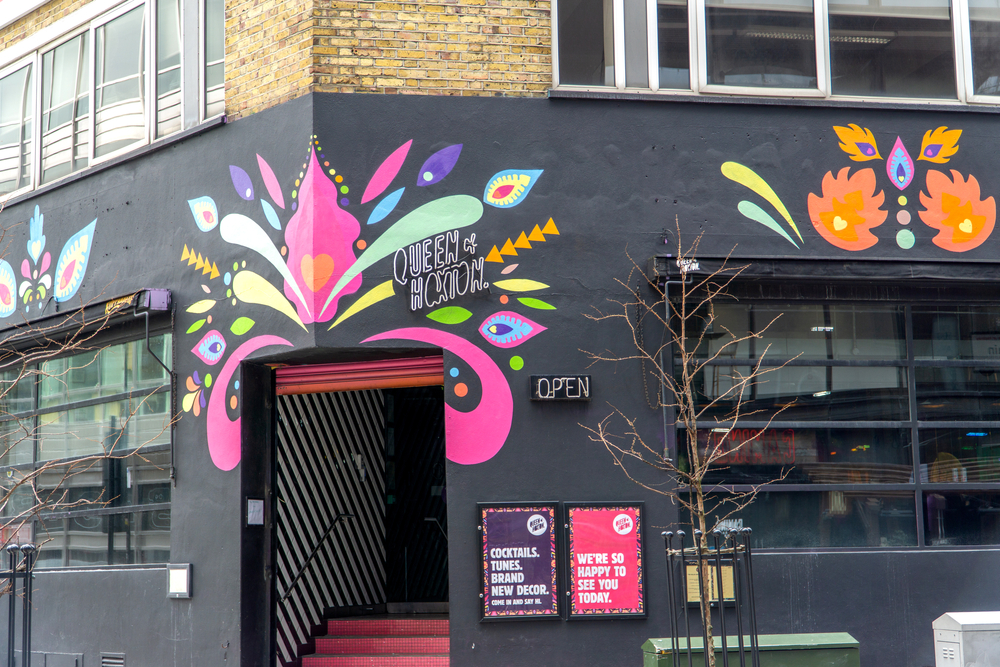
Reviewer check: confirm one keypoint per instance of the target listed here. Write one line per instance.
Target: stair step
(398, 660)
(344, 645)
(388, 627)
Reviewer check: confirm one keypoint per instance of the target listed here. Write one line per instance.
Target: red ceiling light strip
(382, 374)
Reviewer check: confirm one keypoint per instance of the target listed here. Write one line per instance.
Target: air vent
(112, 660)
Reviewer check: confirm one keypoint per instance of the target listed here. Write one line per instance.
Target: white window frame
(88, 19)
(698, 60)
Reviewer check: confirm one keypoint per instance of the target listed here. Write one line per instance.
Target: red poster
(605, 551)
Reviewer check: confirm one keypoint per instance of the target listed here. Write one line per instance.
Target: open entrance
(360, 532)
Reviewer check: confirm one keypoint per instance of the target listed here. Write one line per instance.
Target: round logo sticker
(537, 524)
(623, 524)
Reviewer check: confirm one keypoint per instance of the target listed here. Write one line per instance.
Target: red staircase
(382, 641)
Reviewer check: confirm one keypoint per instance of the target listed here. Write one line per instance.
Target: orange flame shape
(848, 209)
(953, 206)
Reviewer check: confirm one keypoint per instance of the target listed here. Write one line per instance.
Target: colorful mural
(850, 205)
(320, 255)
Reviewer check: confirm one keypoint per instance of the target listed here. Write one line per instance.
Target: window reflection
(827, 519)
(961, 518)
(586, 43)
(672, 43)
(807, 456)
(971, 332)
(950, 455)
(111, 539)
(956, 393)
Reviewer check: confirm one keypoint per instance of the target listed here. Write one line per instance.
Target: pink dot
(903, 217)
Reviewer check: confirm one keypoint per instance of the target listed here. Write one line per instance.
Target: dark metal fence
(20, 568)
(726, 550)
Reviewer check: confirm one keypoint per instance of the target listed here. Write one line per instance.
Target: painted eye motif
(508, 188)
(866, 148)
(206, 215)
(932, 150)
(72, 263)
(210, 348)
(507, 329)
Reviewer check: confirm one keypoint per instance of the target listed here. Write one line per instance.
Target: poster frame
(557, 581)
(567, 563)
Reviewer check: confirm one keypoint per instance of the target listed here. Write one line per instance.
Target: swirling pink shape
(476, 436)
(223, 434)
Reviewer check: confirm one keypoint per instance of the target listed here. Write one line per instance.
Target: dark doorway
(416, 514)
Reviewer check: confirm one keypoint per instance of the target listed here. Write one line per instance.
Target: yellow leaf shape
(853, 135)
(939, 145)
(376, 294)
(520, 285)
(748, 178)
(202, 306)
(251, 288)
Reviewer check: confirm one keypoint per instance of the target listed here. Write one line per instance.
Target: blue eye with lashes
(508, 329)
(210, 348)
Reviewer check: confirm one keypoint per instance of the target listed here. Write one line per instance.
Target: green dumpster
(830, 649)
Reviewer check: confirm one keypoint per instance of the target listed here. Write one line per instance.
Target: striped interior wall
(330, 458)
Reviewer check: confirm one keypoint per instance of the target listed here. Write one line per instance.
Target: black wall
(616, 174)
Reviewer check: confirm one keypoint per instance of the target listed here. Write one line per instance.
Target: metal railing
(729, 550)
(20, 568)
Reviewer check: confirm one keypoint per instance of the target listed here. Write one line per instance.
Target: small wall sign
(560, 387)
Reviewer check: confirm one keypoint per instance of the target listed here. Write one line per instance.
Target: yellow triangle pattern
(508, 249)
(522, 242)
(494, 256)
(536, 235)
(203, 264)
(550, 228)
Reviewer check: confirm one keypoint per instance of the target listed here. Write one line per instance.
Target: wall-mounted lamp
(179, 580)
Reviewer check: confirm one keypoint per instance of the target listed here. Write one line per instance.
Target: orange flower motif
(848, 209)
(953, 206)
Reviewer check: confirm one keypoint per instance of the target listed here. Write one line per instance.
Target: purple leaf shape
(270, 181)
(241, 181)
(439, 165)
(385, 173)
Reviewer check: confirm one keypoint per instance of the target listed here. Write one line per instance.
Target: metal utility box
(967, 639)
(833, 649)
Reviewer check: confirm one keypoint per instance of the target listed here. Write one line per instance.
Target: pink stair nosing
(380, 645)
(384, 627)
(375, 661)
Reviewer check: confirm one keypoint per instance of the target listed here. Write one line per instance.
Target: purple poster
(519, 561)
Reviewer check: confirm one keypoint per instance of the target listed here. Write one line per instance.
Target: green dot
(208, 380)
(236, 266)
(905, 239)
(295, 193)
(517, 363)
(343, 189)
(229, 293)
(902, 200)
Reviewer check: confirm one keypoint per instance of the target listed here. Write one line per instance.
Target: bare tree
(690, 338)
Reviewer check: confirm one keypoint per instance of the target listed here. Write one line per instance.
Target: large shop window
(872, 425)
(861, 49)
(91, 92)
(95, 429)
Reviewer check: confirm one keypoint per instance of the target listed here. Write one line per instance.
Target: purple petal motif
(241, 181)
(439, 165)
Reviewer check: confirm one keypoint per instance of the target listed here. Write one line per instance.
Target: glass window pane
(769, 45)
(807, 331)
(899, 48)
(168, 67)
(119, 81)
(144, 370)
(215, 55)
(950, 455)
(672, 37)
(968, 332)
(806, 456)
(104, 428)
(824, 519)
(586, 43)
(984, 20)
(82, 377)
(969, 394)
(17, 444)
(65, 108)
(113, 539)
(16, 104)
(796, 393)
(961, 518)
(16, 391)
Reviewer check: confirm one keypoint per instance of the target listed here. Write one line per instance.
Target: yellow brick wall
(277, 50)
(43, 16)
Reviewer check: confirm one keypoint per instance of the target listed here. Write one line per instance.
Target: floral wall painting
(851, 202)
(306, 258)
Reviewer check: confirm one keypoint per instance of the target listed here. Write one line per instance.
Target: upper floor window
(92, 93)
(908, 49)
